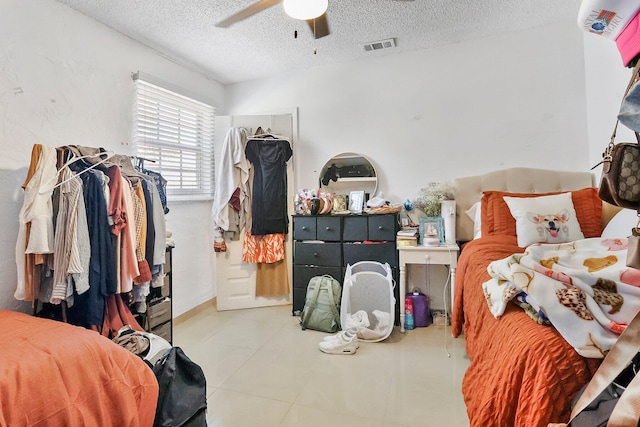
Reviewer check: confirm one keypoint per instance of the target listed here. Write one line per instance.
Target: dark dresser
(325, 244)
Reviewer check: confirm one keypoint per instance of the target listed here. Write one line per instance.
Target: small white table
(438, 255)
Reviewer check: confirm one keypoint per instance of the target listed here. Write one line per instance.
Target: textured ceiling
(264, 44)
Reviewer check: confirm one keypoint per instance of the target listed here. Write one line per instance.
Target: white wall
(65, 79)
(510, 100)
(606, 80)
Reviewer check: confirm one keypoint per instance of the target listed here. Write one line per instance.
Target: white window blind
(176, 133)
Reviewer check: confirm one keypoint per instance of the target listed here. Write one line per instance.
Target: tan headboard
(469, 190)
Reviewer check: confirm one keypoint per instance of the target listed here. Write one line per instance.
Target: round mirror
(348, 172)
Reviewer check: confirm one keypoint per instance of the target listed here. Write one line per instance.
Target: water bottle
(408, 313)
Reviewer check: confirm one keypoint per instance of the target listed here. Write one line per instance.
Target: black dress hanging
(269, 198)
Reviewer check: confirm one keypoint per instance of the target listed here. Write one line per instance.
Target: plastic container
(421, 313)
(408, 313)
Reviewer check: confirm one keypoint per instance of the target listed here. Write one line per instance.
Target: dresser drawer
(302, 274)
(327, 254)
(380, 252)
(329, 229)
(167, 262)
(382, 227)
(355, 228)
(163, 331)
(159, 313)
(304, 228)
(166, 288)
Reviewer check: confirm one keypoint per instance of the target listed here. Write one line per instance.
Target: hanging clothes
(145, 234)
(263, 249)
(161, 186)
(103, 280)
(116, 316)
(77, 240)
(36, 233)
(149, 187)
(265, 243)
(232, 195)
(67, 258)
(79, 268)
(153, 232)
(140, 212)
(160, 228)
(272, 279)
(269, 199)
(121, 213)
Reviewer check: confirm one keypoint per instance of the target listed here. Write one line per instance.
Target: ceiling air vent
(382, 44)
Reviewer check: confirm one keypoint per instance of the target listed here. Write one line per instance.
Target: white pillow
(544, 219)
(474, 212)
(621, 224)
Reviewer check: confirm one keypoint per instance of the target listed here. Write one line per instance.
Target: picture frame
(356, 201)
(432, 226)
(339, 203)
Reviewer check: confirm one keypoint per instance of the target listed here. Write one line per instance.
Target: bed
(521, 373)
(56, 374)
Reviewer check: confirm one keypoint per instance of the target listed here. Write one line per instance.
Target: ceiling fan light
(305, 9)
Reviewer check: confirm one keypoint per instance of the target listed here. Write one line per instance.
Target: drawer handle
(379, 227)
(315, 254)
(328, 228)
(304, 227)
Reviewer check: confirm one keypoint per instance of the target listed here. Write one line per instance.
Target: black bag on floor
(182, 400)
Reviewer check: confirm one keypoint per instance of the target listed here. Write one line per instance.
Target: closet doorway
(235, 280)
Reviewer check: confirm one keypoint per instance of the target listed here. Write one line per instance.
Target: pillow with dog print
(545, 219)
(497, 219)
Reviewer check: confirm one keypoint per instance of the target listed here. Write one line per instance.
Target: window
(174, 134)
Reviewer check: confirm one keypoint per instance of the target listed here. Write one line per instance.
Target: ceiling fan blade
(249, 11)
(319, 26)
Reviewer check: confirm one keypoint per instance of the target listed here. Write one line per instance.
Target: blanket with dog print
(584, 288)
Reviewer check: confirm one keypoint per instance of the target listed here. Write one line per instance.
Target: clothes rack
(71, 252)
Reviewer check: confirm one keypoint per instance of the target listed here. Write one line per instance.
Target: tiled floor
(263, 370)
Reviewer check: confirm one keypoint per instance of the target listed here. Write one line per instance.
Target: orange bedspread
(522, 374)
(56, 374)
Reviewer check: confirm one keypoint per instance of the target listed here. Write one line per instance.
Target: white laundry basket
(368, 289)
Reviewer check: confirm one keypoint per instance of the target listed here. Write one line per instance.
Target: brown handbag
(620, 181)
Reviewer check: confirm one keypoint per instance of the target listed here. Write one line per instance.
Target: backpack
(182, 400)
(321, 310)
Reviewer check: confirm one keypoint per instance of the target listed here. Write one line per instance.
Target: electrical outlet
(404, 222)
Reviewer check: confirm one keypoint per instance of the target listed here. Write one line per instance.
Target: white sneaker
(335, 337)
(344, 342)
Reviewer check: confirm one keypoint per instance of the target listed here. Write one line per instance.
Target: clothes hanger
(127, 169)
(74, 158)
(140, 162)
(260, 134)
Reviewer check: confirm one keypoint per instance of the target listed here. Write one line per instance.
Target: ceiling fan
(319, 25)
